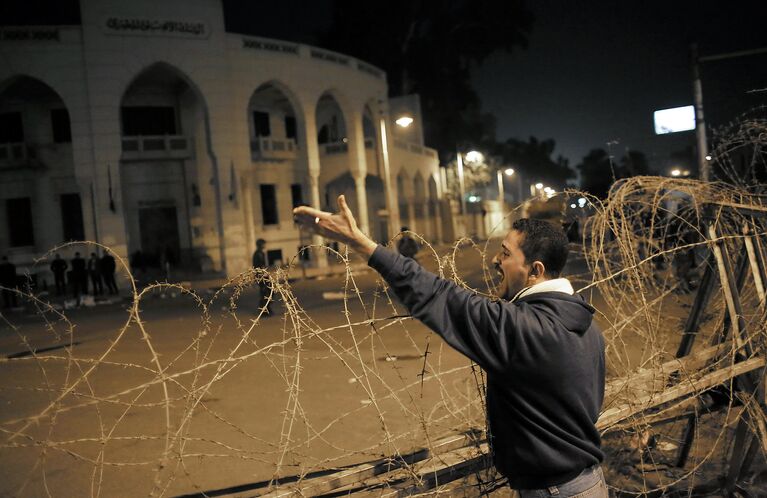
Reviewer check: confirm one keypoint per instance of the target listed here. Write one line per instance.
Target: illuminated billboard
(674, 120)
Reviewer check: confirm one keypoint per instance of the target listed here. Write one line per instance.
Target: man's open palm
(340, 226)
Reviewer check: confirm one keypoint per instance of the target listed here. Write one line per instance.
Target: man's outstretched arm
(469, 323)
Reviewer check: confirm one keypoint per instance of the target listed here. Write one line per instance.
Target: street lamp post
(389, 200)
(499, 176)
(461, 186)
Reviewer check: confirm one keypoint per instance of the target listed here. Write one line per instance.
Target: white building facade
(150, 128)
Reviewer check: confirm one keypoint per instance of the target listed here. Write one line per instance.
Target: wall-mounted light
(508, 171)
(404, 121)
(676, 172)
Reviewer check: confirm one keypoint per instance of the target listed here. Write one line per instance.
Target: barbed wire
(163, 407)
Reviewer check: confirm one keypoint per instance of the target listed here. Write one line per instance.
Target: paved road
(232, 400)
(237, 396)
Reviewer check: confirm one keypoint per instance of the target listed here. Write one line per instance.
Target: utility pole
(704, 165)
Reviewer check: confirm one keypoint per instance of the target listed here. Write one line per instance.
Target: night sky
(595, 71)
(595, 74)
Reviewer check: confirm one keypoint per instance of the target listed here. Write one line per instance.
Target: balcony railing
(273, 148)
(415, 148)
(335, 148)
(156, 147)
(12, 154)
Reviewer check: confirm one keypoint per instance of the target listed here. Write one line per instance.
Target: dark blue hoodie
(544, 358)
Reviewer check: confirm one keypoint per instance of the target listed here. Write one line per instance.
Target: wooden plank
(687, 386)
(659, 376)
(745, 209)
(730, 292)
(358, 473)
(756, 271)
(454, 465)
(692, 325)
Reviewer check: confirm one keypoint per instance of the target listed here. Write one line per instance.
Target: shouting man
(538, 343)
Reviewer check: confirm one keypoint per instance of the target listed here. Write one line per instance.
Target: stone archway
(169, 204)
(41, 202)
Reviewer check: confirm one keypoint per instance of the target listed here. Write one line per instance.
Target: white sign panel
(674, 120)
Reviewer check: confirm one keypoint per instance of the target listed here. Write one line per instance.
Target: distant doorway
(159, 234)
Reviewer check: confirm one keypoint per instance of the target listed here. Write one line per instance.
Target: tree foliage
(428, 48)
(598, 172)
(533, 159)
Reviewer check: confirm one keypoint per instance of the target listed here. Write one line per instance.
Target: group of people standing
(100, 271)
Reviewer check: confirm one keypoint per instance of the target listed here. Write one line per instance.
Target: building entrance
(159, 235)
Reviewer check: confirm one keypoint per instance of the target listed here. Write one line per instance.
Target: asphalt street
(180, 402)
(248, 397)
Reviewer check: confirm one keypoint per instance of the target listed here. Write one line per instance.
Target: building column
(246, 187)
(436, 220)
(362, 203)
(46, 215)
(406, 216)
(314, 197)
(308, 143)
(358, 166)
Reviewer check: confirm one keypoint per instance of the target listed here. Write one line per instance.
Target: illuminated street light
(508, 171)
(475, 157)
(676, 172)
(548, 190)
(539, 186)
(404, 121)
(573, 206)
(708, 157)
(582, 202)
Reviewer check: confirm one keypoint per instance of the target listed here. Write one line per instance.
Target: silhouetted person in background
(107, 268)
(138, 262)
(79, 278)
(59, 269)
(95, 274)
(8, 282)
(167, 261)
(259, 261)
(407, 246)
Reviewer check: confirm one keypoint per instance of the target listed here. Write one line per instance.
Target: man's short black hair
(543, 242)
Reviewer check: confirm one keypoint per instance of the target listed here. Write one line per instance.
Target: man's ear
(537, 269)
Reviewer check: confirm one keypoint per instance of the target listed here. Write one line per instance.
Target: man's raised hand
(340, 226)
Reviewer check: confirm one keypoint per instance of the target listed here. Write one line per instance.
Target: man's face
(511, 265)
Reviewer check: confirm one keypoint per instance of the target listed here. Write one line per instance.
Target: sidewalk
(203, 283)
